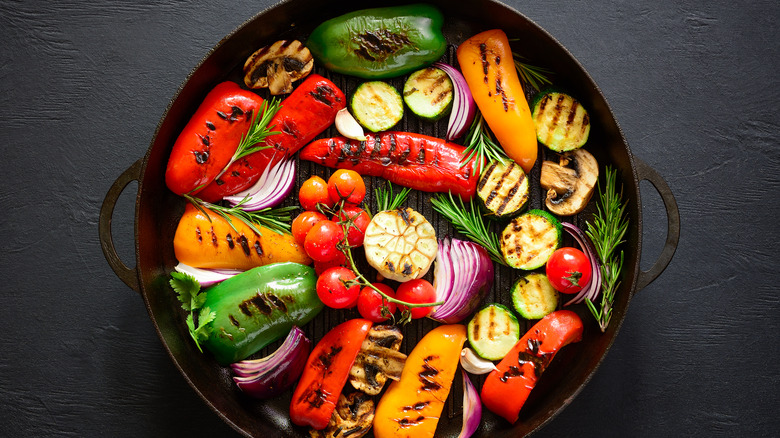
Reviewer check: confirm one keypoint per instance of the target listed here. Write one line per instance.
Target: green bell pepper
(259, 306)
(381, 42)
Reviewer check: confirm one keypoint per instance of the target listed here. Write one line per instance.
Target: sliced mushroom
(570, 182)
(277, 66)
(378, 360)
(352, 418)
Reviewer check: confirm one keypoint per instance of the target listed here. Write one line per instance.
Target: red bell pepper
(304, 114)
(506, 388)
(413, 160)
(211, 137)
(326, 372)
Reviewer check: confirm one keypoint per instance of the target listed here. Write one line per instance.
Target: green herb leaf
(187, 290)
(202, 331)
(470, 223)
(386, 200)
(480, 144)
(534, 76)
(275, 219)
(607, 232)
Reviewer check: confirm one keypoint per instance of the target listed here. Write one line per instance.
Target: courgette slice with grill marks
(562, 123)
(534, 297)
(428, 93)
(493, 331)
(530, 239)
(377, 105)
(503, 188)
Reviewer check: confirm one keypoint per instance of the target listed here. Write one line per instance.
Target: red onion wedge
(463, 107)
(472, 408)
(462, 277)
(207, 277)
(271, 375)
(274, 185)
(592, 290)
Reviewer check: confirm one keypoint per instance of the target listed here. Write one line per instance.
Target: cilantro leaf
(202, 331)
(187, 289)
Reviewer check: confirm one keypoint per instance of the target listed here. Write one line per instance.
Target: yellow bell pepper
(411, 407)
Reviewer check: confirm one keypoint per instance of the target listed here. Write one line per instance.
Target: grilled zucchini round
(530, 239)
(562, 124)
(503, 187)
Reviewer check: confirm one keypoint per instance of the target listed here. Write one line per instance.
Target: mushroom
(378, 360)
(277, 66)
(570, 182)
(352, 417)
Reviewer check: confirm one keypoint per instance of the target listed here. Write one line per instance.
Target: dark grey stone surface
(693, 84)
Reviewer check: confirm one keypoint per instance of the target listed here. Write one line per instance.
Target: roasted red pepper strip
(304, 114)
(211, 137)
(413, 160)
(518, 372)
(326, 373)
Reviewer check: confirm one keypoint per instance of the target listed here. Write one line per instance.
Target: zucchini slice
(503, 188)
(428, 93)
(534, 297)
(493, 331)
(562, 124)
(530, 239)
(377, 105)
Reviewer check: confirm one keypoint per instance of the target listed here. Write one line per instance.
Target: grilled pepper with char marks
(521, 368)
(258, 307)
(413, 160)
(304, 114)
(326, 373)
(380, 42)
(209, 140)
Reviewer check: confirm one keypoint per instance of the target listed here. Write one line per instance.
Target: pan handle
(647, 173)
(128, 275)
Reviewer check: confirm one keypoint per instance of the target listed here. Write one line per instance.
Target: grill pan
(157, 211)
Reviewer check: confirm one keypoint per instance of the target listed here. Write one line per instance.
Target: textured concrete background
(693, 84)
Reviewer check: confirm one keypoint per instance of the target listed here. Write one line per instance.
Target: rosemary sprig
(387, 200)
(470, 223)
(607, 230)
(275, 219)
(480, 143)
(258, 131)
(532, 75)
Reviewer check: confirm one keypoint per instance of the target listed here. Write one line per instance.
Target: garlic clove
(475, 364)
(348, 126)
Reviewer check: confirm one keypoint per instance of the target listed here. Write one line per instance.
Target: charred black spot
(416, 407)
(407, 269)
(259, 301)
(512, 372)
(214, 238)
(314, 397)
(244, 244)
(198, 234)
(289, 128)
(244, 307)
(201, 157)
(234, 321)
(205, 140)
(390, 266)
(236, 110)
(405, 216)
(421, 156)
(258, 248)
(222, 115)
(323, 94)
(483, 58)
(326, 359)
(219, 181)
(293, 64)
(380, 44)
(211, 126)
(230, 242)
(278, 303)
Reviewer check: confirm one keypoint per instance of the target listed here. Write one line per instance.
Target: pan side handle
(647, 173)
(128, 275)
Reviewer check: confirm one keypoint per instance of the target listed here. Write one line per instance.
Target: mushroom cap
(570, 182)
(277, 66)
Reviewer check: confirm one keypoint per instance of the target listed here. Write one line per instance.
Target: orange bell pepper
(411, 406)
(213, 244)
(520, 369)
(487, 64)
(326, 373)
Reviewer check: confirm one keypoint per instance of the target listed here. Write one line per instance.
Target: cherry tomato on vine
(314, 191)
(347, 185)
(337, 289)
(416, 292)
(321, 243)
(303, 224)
(370, 302)
(356, 230)
(340, 260)
(568, 270)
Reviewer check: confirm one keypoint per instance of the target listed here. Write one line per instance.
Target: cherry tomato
(340, 260)
(414, 292)
(322, 240)
(568, 270)
(333, 290)
(303, 223)
(356, 230)
(314, 191)
(347, 185)
(370, 302)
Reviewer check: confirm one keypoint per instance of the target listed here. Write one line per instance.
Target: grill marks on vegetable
(503, 188)
(242, 241)
(428, 374)
(378, 45)
(265, 303)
